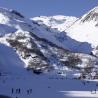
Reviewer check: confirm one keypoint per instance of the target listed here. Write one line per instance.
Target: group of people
(93, 91)
(18, 91)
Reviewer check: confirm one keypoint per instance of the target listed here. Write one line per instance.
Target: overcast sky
(32, 8)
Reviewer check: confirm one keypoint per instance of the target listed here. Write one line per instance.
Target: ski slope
(10, 63)
(47, 86)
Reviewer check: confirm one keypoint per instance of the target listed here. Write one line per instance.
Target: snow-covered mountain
(86, 30)
(31, 49)
(57, 37)
(57, 23)
(81, 33)
(41, 48)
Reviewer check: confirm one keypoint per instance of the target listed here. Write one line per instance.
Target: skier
(18, 91)
(29, 91)
(95, 91)
(12, 90)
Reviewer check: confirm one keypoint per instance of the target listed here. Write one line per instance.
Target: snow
(9, 61)
(70, 27)
(86, 32)
(58, 22)
(61, 39)
(85, 29)
(43, 86)
(4, 29)
(47, 86)
(80, 37)
(80, 94)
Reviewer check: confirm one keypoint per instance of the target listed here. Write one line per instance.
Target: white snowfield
(58, 22)
(86, 28)
(47, 86)
(84, 32)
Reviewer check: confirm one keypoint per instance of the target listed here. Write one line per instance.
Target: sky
(33, 8)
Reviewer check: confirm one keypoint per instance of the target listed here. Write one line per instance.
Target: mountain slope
(14, 19)
(43, 50)
(27, 46)
(61, 39)
(10, 63)
(80, 33)
(53, 29)
(85, 29)
(58, 23)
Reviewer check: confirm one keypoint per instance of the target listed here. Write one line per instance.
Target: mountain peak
(91, 15)
(95, 9)
(4, 12)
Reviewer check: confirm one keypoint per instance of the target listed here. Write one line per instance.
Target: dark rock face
(17, 13)
(91, 16)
